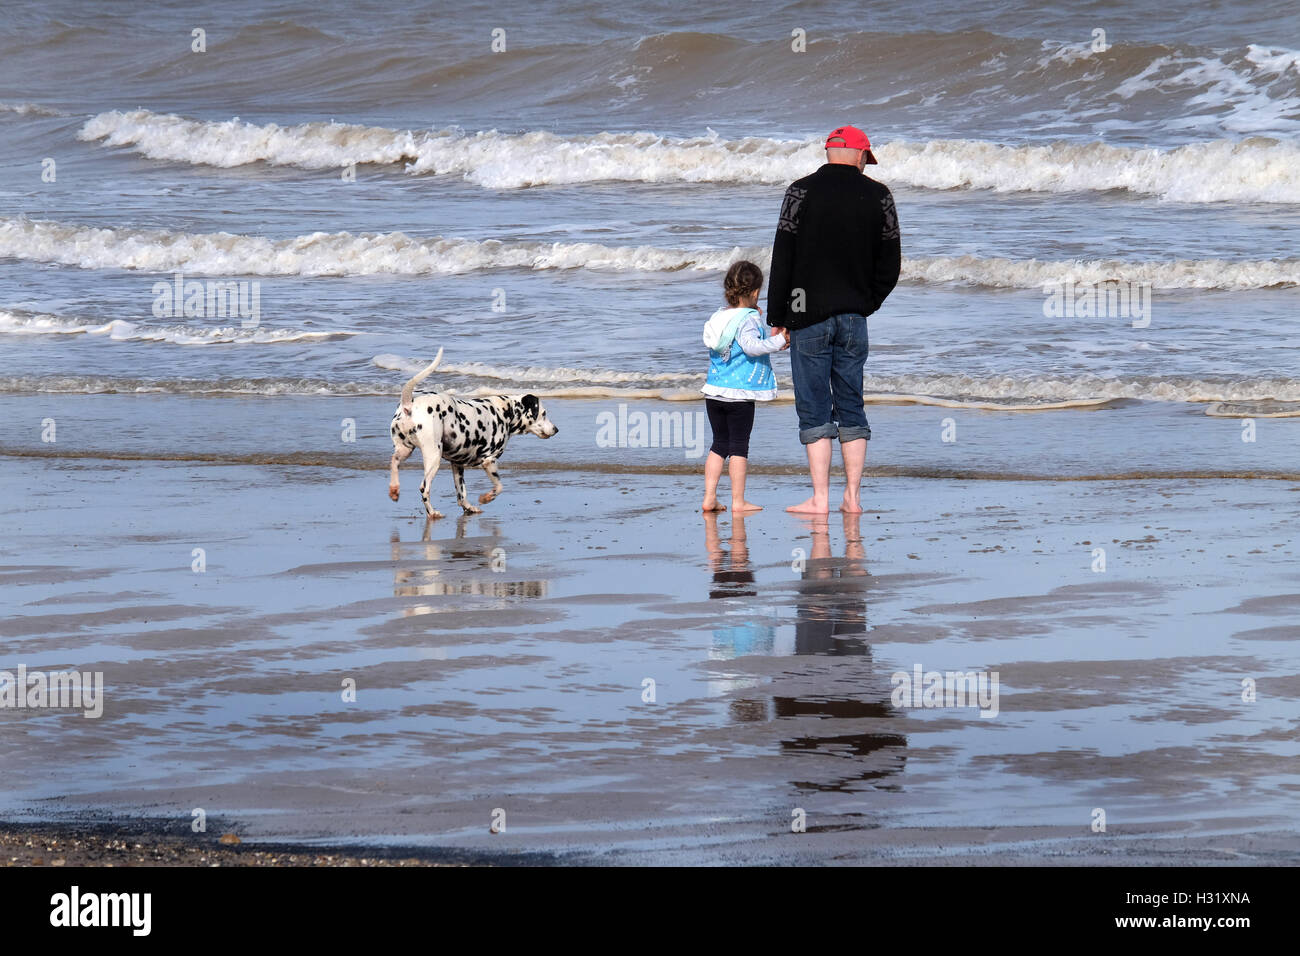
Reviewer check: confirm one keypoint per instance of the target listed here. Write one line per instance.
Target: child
(740, 373)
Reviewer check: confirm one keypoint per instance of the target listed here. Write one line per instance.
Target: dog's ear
(531, 405)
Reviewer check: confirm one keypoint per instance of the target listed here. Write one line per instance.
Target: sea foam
(395, 253)
(1256, 169)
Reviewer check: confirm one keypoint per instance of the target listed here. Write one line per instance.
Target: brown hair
(742, 278)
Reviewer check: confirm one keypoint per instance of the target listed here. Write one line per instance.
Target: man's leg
(854, 454)
(849, 355)
(819, 467)
(810, 366)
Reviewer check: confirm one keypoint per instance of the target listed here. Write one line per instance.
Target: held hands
(776, 330)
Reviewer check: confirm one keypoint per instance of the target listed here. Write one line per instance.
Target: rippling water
(390, 185)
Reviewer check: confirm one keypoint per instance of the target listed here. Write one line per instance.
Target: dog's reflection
(462, 566)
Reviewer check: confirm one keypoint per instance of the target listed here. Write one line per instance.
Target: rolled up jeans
(826, 360)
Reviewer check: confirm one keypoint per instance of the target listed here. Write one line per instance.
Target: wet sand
(500, 664)
(134, 845)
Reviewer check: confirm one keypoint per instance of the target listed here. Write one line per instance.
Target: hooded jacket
(739, 367)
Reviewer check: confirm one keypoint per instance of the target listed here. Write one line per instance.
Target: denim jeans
(826, 360)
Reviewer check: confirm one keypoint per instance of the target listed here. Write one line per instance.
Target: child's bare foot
(741, 507)
(711, 504)
(851, 506)
(810, 507)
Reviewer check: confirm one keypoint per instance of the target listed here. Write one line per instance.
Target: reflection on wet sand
(874, 755)
(831, 610)
(830, 621)
(734, 578)
(468, 566)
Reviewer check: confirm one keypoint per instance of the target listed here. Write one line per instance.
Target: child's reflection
(733, 578)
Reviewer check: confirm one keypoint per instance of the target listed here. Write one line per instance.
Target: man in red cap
(835, 259)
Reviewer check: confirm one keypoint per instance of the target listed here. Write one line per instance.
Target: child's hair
(742, 278)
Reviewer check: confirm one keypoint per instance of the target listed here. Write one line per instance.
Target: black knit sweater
(837, 241)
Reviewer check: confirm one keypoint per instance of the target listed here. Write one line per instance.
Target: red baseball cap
(850, 137)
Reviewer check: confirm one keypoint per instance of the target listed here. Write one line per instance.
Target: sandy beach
(1064, 631)
(503, 662)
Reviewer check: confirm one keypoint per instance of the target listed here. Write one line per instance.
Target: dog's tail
(408, 390)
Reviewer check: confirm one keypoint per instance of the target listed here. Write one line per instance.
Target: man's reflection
(836, 737)
(831, 607)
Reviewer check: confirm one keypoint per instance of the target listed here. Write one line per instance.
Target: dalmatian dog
(464, 432)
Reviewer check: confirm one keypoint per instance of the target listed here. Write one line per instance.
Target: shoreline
(413, 467)
(126, 841)
(1128, 442)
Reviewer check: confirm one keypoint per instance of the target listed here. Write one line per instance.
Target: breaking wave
(1261, 397)
(1256, 169)
(121, 330)
(347, 254)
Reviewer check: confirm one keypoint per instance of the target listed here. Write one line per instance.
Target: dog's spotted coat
(464, 432)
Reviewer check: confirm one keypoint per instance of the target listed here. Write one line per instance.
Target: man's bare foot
(851, 507)
(741, 507)
(711, 504)
(810, 507)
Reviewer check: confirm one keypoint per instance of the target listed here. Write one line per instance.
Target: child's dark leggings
(731, 423)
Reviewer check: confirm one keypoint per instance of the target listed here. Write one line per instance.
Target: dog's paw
(393, 492)
(434, 515)
(486, 497)
(471, 510)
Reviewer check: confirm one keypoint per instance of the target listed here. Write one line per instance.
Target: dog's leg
(400, 454)
(432, 458)
(490, 467)
(458, 477)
